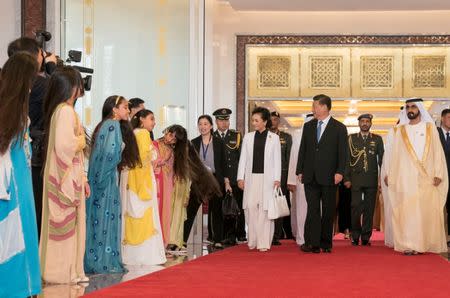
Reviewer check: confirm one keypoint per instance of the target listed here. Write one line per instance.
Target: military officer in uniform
(365, 157)
(234, 228)
(282, 225)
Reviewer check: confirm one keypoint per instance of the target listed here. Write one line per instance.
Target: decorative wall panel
(244, 42)
(376, 72)
(273, 72)
(325, 70)
(426, 72)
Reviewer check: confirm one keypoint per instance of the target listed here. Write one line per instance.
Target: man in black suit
(444, 135)
(322, 160)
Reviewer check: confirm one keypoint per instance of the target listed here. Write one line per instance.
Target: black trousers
(365, 207)
(283, 227)
(38, 186)
(234, 227)
(344, 209)
(319, 227)
(215, 218)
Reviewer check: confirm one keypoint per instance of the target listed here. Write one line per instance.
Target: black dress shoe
(242, 240)
(276, 242)
(307, 248)
(355, 242)
(229, 242)
(326, 250)
(365, 243)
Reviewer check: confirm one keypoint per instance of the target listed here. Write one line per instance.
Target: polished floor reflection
(99, 281)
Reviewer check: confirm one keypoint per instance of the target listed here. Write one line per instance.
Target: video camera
(43, 36)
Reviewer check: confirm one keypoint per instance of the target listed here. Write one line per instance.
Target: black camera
(43, 36)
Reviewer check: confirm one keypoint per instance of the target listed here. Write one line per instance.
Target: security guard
(233, 228)
(365, 157)
(282, 225)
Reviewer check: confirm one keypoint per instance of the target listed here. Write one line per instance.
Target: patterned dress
(19, 259)
(63, 233)
(103, 209)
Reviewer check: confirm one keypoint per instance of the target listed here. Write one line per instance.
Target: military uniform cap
(222, 114)
(275, 114)
(366, 116)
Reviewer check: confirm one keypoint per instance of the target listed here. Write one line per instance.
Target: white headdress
(424, 115)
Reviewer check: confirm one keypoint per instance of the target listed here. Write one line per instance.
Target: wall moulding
(242, 41)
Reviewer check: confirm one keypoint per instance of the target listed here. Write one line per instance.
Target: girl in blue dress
(19, 255)
(103, 209)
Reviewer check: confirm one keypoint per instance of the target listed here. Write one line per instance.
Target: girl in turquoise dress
(103, 209)
(19, 255)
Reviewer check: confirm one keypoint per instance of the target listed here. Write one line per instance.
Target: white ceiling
(339, 5)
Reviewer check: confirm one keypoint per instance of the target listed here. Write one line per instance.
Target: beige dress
(64, 216)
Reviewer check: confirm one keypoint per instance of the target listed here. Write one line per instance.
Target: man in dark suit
(283, 224)
(365, 156)
(322, 159)
(444, 135)
(234, 228)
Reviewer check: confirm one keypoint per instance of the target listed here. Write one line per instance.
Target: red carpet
(286, 272)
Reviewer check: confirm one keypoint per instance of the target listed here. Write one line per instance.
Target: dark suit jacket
(321, 161)
(446, 150)
(220, 163)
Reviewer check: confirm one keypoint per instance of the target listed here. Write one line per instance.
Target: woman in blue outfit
(103, 209)
(19, 255)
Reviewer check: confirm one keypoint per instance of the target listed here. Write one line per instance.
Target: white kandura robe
(388, 231)
(261, 190)
(298, 198)
(418, 205)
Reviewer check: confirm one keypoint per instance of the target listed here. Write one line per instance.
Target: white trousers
(260, 227)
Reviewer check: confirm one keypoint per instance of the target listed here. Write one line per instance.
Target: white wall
(9, 26)
(226, 23)
(141, 51)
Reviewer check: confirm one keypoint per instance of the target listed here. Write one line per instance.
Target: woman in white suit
(259, 173)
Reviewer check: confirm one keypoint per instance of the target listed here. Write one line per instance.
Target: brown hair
(16, 80)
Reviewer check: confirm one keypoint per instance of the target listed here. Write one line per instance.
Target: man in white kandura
(298, 198)
(387, 208)
(417, 182)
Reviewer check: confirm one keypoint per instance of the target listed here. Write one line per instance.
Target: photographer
(46, 64)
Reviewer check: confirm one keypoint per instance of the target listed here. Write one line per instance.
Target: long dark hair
(136, 120)
(180, 149)
(63, 83)
(130, 154)
(110, 103)
(16, 79)
(187, 165)
(204, 185)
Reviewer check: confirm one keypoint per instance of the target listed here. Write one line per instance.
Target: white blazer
(272, 166)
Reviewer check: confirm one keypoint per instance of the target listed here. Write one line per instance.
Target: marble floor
(99, 281)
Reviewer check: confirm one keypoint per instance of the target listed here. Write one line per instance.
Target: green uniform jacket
(365, 157)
